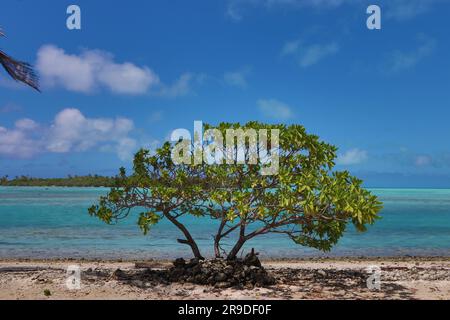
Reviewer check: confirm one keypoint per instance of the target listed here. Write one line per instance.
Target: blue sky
(139, 69)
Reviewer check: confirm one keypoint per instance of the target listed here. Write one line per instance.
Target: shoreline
(406, 258)
(401, 278)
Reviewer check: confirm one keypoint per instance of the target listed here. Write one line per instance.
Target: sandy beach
(400, 278)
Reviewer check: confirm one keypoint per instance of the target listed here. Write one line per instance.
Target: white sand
(309, 279)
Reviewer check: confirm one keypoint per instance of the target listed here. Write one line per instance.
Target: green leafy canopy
(307, 200)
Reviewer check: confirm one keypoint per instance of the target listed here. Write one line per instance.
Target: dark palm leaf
(18, 70)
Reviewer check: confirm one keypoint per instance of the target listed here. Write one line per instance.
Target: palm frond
(18, 70)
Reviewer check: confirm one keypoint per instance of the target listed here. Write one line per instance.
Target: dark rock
(222, 273)
(179, 263)
(251, 259)
(119, 275)
(221, 277)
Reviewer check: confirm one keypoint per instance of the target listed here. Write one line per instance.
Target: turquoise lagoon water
(53, 223)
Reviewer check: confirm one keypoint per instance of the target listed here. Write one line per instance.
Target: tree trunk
(195, 250)
(217, 247)
(237, 247)
(189, 239)
(217, 239)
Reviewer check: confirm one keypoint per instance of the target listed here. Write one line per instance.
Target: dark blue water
(53, 223)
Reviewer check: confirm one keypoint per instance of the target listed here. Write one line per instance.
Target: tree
(18, 70)
(306, 200)
(3, 181)
(71, 181)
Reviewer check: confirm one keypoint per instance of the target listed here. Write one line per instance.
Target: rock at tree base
(251, 259)
(179, 263)
(243, 273)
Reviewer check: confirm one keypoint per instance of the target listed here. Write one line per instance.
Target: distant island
(69, 181)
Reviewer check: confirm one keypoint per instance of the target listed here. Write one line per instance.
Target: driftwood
(26, 269)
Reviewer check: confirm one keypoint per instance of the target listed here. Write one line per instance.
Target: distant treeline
(70, 181)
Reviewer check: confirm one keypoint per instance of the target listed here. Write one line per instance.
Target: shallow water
(54, 223)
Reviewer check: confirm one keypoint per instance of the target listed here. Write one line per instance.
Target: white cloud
(399, 60)
(70, 131)
(26, 124)
(127, 78)
(309, 54)
(90, 70)
(275, 109)
(408, 9)
(95, 70)
(233, 11)
(290, 47)
(237, 78)
(407, 158)
(182, 86)
(314, 53)
(125, 148)
(352, 157)
(18, 143)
